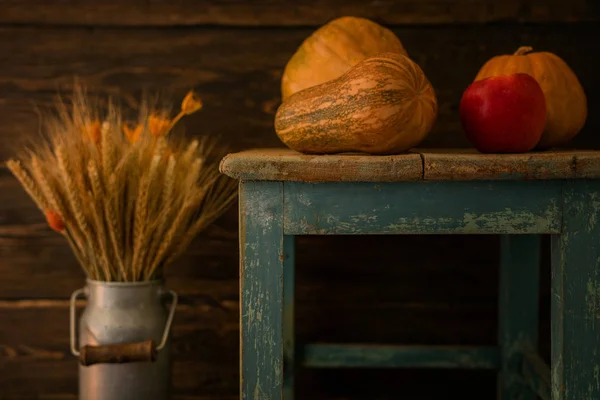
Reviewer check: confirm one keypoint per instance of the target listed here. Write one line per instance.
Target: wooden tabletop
(281, 164)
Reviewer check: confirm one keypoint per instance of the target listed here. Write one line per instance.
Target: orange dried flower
(93, 130)
(191, 103)
(132, 135)
(55, 221)
(158, 124)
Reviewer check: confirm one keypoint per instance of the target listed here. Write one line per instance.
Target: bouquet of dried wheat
(129, 197)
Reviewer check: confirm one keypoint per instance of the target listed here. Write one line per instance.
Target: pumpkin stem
(523, 50)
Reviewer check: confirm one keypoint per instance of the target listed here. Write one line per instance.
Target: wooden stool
(284, 194)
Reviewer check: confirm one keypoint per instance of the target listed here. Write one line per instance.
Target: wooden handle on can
(118, 353)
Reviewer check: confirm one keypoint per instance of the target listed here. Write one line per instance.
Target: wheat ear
(54, 201)
(108, 150)
(141, 213)
(192, 178)
(45, 187)
(168, 202)
(77, 254)
(129, 182)
(219, 204)
(172, 233)
(167, 192)
(160, 146)
(28, 184)
(73, 197)
(100, 231)
(113, 223)
(187, 157)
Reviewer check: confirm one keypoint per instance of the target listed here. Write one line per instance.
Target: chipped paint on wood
(261, 287)
(592, 301)
(422, 208)
(575, 296)
(518, 311)
(379, 356)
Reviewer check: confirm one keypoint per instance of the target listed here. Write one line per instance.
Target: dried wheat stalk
(129, 198)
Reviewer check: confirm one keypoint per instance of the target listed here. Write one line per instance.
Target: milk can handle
(120, 352)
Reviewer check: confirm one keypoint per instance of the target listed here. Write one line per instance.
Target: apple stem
(523, 50)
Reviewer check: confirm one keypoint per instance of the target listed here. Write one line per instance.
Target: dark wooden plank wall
(430, 290)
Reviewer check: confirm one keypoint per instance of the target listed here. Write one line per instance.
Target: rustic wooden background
(430, 290)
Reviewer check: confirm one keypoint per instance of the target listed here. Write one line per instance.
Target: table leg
(289, 283)
(518, 311)
(576, 295)
(261, 290)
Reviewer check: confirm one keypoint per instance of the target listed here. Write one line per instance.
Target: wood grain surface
(289, 13)
(288, 165)
(420, 290)
(415, 165)
(444, 165)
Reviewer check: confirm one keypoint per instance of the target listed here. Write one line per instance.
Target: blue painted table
(284, 194)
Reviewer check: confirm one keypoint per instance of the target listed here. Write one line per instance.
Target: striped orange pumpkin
(382, 105)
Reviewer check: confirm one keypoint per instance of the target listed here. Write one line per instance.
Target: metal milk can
(124, 346)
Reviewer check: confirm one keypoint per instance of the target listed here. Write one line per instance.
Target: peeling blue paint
(576, 295)
(261, 288)
(498, 207)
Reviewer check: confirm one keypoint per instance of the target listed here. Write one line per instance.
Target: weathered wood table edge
(281, 164)
(517, 196)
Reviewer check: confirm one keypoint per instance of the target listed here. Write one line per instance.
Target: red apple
(504, 114)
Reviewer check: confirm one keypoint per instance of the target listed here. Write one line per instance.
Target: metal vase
(124, 347)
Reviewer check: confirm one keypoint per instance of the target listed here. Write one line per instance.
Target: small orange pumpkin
(566, 102)
(333, 49)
